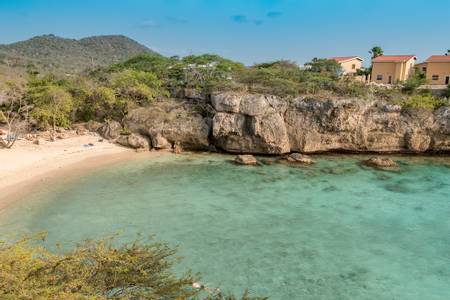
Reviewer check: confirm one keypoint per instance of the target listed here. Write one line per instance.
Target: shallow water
(330, 231)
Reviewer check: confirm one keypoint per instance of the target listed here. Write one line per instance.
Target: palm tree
(376, 51)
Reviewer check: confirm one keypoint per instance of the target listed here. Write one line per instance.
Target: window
(435, 77)
(353, 66)
(424, 69)
(379, 77)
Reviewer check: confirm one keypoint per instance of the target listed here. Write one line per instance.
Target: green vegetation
(425, 101)
(97, 270)
(108, 92)
(49, 53)
(412, 84)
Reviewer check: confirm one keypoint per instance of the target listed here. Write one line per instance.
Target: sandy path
(27, 163)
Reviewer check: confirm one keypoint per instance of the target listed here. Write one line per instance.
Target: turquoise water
(334, 230)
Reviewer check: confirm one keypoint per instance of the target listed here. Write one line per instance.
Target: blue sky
(246, 30)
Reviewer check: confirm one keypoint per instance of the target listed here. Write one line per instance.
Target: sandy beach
(28, 164)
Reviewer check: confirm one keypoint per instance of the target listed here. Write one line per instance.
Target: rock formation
(260, 124)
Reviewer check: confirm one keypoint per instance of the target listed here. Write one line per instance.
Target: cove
(334, 230)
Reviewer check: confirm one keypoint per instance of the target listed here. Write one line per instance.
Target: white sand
(27, 162)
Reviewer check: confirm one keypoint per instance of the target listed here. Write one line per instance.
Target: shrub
(426, 101)
(96, 270)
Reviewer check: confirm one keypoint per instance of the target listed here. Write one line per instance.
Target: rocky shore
(260, 124)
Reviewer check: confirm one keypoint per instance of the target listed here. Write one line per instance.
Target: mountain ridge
(51, 53)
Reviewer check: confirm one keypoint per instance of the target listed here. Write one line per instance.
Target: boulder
(134, 141)
(380, 162)
(300, 158)
(110, 130)
(159, 142)
(245, 160)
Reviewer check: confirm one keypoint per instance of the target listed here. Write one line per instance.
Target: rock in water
(300, 158)
(245, 160)
(380, 162)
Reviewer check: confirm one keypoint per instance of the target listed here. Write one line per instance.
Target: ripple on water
(333, 230)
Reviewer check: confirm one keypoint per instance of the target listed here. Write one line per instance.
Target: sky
(249, 31)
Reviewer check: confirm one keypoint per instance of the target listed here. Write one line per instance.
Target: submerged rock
(380, 162)
(300, 158)
(245, 160)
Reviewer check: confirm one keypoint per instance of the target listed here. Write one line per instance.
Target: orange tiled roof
(393, 58)
(341, 59)
(438, 58)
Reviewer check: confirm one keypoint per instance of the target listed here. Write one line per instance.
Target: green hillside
(56, 54)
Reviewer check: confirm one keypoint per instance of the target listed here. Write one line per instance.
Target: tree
(325, 66)
(138, 86)
(12, 107)
(97, 270)
(52, 104)
(376, 51)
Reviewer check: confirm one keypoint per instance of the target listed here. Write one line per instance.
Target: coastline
(28, 166)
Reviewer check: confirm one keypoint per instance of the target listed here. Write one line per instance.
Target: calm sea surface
(334, 230)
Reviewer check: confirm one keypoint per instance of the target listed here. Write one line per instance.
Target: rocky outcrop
(363, 126)
(170, 123)
(249, 124)
(259, 124)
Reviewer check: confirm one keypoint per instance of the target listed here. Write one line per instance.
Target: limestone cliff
(259, 124)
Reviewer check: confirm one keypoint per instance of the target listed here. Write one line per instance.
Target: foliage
(411, 85)
(138, 86)
(12, 108)
(426, 101)
(376, 51)
(52, 103)
(325, 66)
(49, 53)
(95, 270)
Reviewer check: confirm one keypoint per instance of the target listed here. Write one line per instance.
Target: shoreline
(27, 166)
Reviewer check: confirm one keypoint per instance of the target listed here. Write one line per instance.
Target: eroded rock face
(362, 126)
(174, 121)
(249, 124)
(260, 124)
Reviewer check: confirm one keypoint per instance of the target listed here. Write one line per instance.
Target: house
(350, 64)
(389, 69)
(421, 68)
(438, 70)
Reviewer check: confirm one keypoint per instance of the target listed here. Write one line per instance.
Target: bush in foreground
(96, 270)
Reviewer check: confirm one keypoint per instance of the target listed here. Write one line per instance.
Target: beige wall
(398, 71)
(347, 66)
(442, 69)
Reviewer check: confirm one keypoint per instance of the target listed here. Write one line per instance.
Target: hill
(56, 54)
